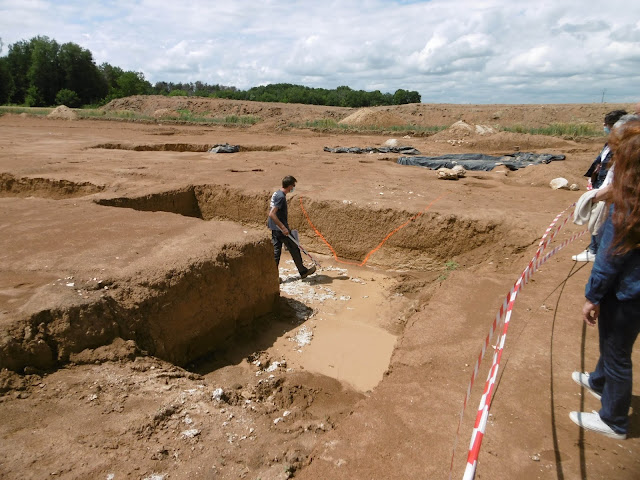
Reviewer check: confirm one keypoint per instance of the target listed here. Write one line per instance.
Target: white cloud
(502, 51)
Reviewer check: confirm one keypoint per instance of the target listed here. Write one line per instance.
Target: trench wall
(352, 231)
(12, 186)
(178, 317)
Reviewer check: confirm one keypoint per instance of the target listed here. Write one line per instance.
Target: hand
(590, 313)
(285, 231)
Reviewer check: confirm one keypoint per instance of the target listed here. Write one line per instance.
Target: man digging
(279, 225)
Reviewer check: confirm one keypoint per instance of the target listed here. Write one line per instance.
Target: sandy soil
(145, 334)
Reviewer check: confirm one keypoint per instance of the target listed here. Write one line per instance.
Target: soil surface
(146, 333)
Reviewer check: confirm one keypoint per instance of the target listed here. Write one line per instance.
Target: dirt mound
(464, 129)
(279, 114)
(276, 116)
(369, 116)
(164, 113)
(64, 113)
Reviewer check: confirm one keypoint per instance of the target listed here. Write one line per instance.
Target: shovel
(293, 235)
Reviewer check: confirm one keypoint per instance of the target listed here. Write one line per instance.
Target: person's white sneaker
(585, 256)
(582, 379)
(593, 422)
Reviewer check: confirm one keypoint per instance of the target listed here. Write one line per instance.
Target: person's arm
(276, 220)
(607, 266)
(602, 194)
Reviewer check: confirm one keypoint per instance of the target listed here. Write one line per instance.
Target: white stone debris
(217, 394)
(559, 183)
(303, 336)
(484, 130)
(451, 173)
(191, 433)
(274, 366)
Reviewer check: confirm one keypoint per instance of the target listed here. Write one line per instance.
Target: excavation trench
(184, 147)
(12, 186)
(183, 311)
(429, 241)
(350, 314)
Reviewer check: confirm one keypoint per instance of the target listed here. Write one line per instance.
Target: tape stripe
(501, 322)
(474, 450)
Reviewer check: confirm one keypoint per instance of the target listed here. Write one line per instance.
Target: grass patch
(184, 116)
(239, 120)
(39, 111)
(331, 124)
(449, 266)
(559, 130)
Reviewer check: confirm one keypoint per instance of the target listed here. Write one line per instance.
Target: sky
(449, 51)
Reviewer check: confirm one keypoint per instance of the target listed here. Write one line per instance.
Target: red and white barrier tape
(503, 316)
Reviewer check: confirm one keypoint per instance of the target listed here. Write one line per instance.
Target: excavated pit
(179, 288)
(12, 186)
(180, 313)
(423, 251)
(431, 240)
(183, 147)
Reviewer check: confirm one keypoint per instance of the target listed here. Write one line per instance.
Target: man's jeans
(278, 239)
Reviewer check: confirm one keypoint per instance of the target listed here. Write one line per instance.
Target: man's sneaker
(585, 256)
(593, 422)
(582, 379)
(308, 272)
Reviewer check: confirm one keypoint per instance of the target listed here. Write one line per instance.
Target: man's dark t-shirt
(278, 200)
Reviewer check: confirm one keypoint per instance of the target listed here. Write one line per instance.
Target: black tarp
(400, 150)
(224, 148)
(479, 161)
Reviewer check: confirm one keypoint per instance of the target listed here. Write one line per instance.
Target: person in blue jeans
(597, 173)
(613, 292)
(278, 222)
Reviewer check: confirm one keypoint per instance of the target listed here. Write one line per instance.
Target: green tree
(18, 61)
(111, 75)
(7, 86)
(80, 74)
(43, 73)
(33, 97)
(402, 97)
(133, 83)
(69, 98)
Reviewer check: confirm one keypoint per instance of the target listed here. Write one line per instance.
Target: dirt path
(357, 372)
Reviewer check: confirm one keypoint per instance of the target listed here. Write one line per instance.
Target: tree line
(41, 72)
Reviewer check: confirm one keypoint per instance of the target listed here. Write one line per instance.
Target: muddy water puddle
(347, 334)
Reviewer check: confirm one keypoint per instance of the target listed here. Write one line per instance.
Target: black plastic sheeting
(400, 150)
(224, 148)
(479, 161)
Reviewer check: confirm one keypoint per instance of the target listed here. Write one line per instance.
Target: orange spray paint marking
(384, 240)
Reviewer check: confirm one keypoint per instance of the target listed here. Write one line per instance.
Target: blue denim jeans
(618, 328)
(593, 246)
